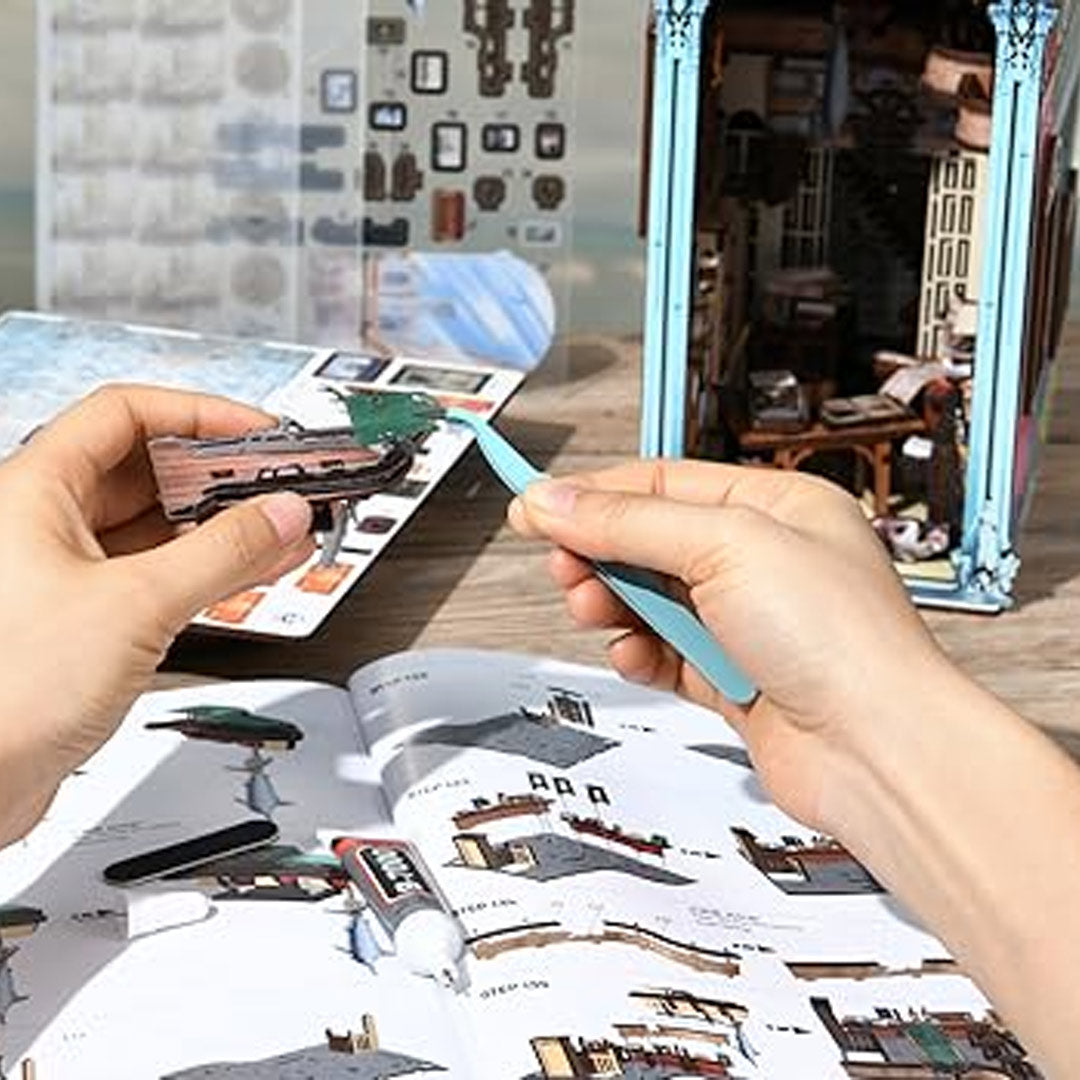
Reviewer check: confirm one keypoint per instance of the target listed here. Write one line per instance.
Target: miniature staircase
(895, 218)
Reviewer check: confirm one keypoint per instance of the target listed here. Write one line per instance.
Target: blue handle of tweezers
(642, 591)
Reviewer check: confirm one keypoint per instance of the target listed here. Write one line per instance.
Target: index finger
(781, 494)
(95, 435)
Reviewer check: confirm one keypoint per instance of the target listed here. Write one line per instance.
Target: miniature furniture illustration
(1000, 221)
(871, 443)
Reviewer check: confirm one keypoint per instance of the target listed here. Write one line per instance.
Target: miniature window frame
(554, 130)
(456, 158)
(379, 109)
(491, 141)
(331, 84)
(420, 72)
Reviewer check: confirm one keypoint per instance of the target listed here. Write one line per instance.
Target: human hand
(96, 583)
(784, 570)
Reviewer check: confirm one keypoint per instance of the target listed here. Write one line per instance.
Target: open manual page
(485, 866)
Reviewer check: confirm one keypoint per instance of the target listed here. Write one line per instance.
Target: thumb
(684, 540)
(232, 551)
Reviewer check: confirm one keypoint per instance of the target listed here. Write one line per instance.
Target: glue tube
(397, 887)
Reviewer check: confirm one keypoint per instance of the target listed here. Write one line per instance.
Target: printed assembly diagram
(559, 850)
(560, 736)
(229, 725)
(686, 1034)
(550, 856)
(821, 867)
(925, 1044)
(564, 912)
(349, 1055)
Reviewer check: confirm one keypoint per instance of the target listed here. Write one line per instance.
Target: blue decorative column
(986, 563)
(676, 87)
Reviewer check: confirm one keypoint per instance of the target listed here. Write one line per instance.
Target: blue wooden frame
(986, 562)
(671, 224)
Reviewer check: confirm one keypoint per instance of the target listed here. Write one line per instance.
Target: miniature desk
(871, 443)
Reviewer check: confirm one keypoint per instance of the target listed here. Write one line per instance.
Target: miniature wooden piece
(333, 468)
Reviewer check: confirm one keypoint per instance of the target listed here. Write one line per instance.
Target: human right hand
(784, 570)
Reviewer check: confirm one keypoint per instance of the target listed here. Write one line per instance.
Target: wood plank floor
(459, 578)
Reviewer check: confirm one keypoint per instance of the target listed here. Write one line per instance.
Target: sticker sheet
(387, 170)
(297, 604)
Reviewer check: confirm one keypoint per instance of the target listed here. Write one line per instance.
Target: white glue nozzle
(431, 943)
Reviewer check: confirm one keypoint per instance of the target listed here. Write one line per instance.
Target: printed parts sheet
(299, 603)
(298, 171)
(597, 863)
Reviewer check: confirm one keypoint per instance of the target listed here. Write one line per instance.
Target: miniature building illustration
(321, 173)
(736, 755)
(541, 737)
(355, 1042)
(16, 921)
(352, 1055)
(591, 826)
(505, 806)
(572, 707)
(550, 856)
(686, 1005)
(273, 872)
(564, 1057)
(229, 724)
(857, 218)
(929, 1044)
(722, 962)
(869, 969)
(820, 868)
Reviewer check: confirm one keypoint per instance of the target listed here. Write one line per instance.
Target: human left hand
(96, 583)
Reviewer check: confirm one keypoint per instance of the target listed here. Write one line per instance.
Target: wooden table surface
(458, 577)
(825, 437)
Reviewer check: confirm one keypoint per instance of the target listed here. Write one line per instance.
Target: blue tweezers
(642, 591)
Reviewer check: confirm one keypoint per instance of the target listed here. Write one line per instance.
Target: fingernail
(290, 514)
(552, 497)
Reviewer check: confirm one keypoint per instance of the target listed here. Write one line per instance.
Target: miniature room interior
(839, 229)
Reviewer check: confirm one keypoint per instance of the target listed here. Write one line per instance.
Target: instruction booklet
(470, 864)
